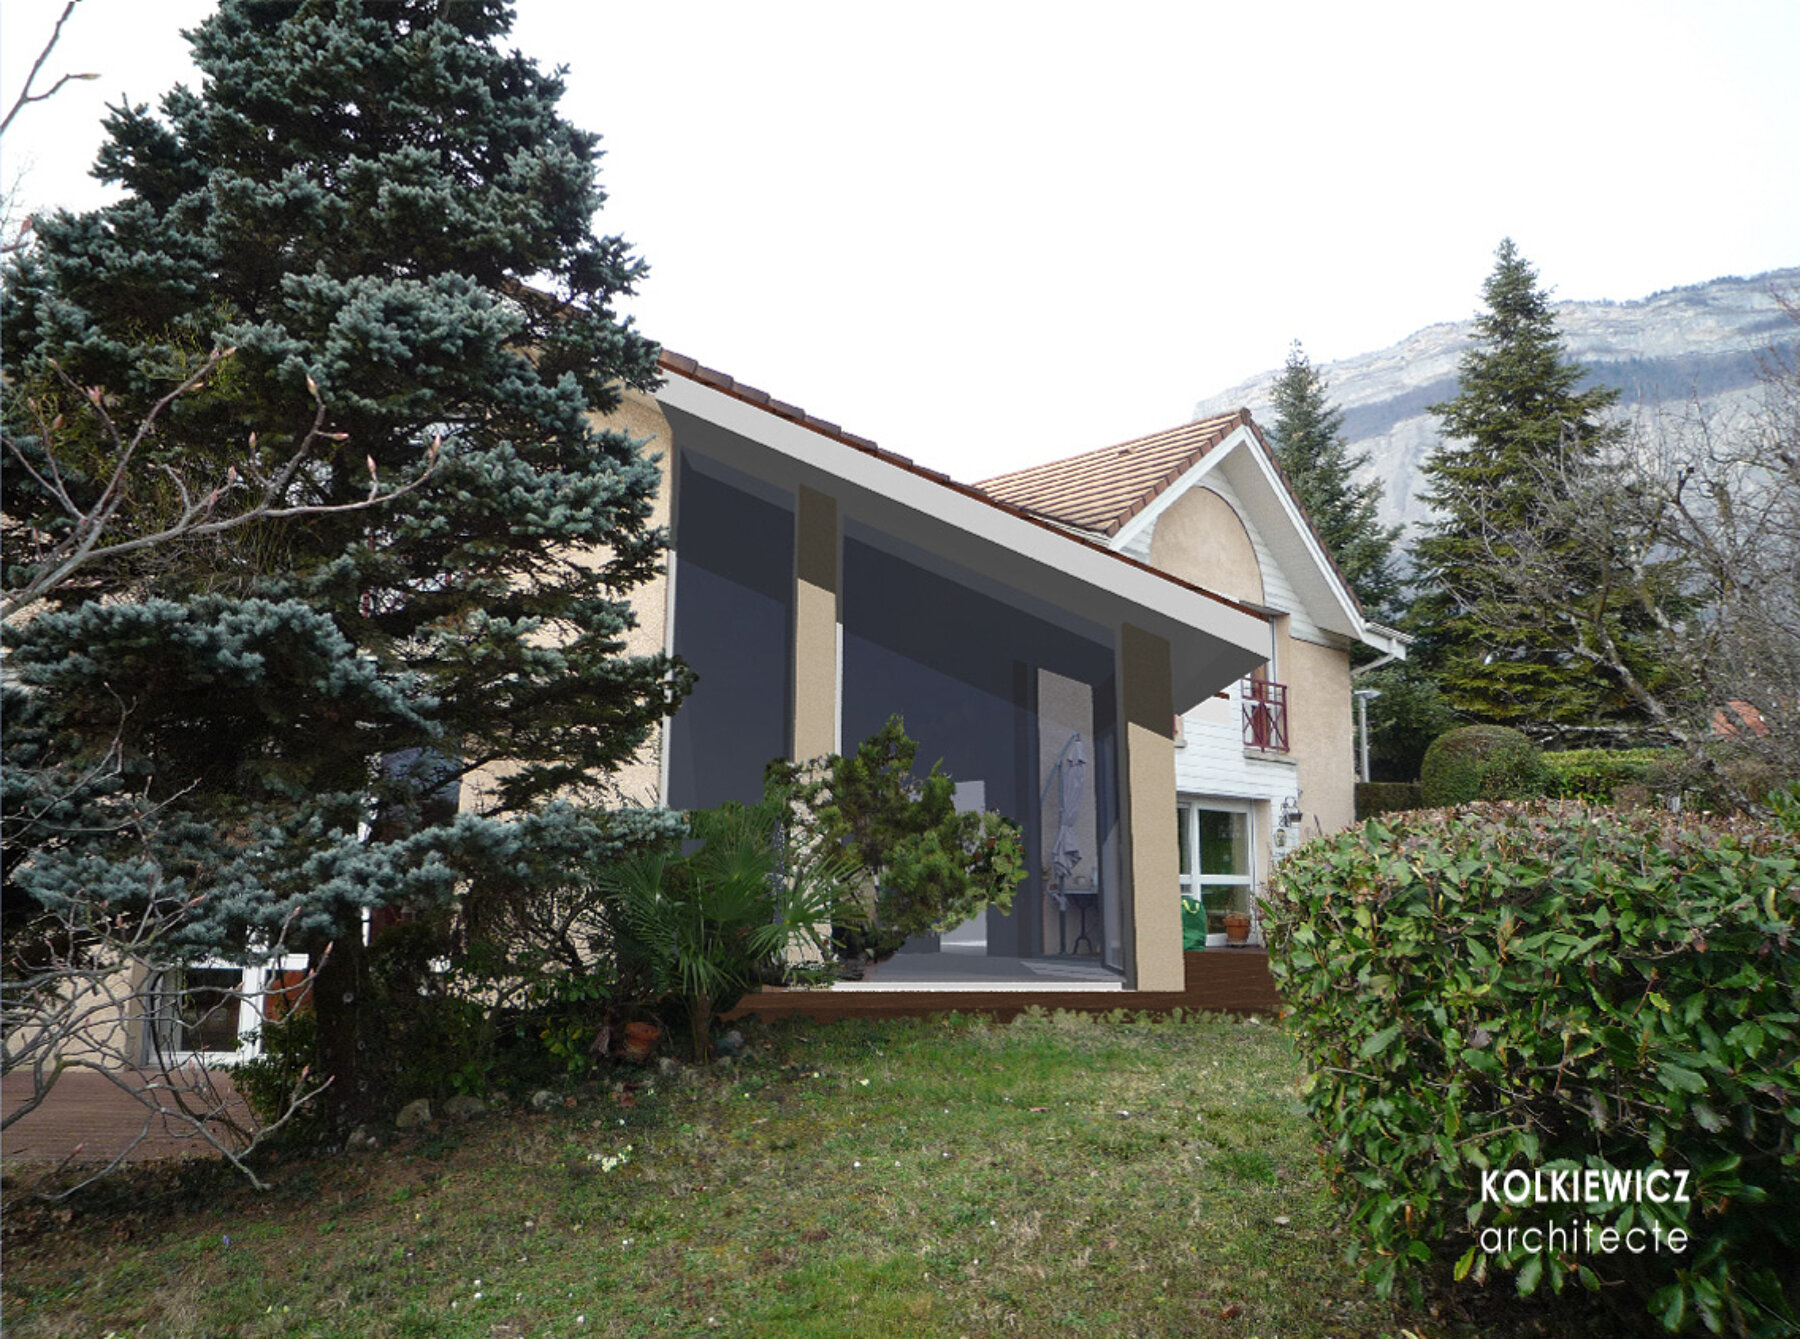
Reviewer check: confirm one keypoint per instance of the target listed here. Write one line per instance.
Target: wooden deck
(1232, 981)
(89, 1118)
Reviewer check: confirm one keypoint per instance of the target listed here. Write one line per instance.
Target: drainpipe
(1362, 696)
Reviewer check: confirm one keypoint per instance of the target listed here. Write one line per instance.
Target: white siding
(1139, 545)
(1212, 761)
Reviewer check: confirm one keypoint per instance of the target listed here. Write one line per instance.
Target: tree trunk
(345, 1007)
(699, 1026)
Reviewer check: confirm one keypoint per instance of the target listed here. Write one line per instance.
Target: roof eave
(1213, 639)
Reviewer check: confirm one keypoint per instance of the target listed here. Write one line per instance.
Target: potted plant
(1237, 928)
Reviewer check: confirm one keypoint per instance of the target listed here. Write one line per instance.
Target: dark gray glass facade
(734, 614)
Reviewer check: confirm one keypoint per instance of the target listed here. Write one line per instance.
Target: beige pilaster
(1151, 902)
(815, 706)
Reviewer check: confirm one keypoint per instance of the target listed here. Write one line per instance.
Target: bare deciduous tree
(87, 983)
(92, 989)
(14, 238)
(1671, 566)
(249, 491)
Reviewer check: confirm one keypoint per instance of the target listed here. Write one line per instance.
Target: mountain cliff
(1667, 353)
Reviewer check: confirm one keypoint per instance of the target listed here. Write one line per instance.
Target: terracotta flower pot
(640, 1041)
(1237, 927)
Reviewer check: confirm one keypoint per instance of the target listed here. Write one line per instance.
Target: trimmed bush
(1481, 762)
(1386, 797)
(1543, 988)
(1595, 775)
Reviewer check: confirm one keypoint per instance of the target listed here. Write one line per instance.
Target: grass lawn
(1062, 1175)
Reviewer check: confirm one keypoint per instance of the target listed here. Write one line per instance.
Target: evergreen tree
(1522, 434)
(1309, 446)
(266, 722)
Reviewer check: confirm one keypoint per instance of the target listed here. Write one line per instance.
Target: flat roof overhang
(1212, 640)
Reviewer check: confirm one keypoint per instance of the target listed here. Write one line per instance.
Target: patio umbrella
(1065, 854)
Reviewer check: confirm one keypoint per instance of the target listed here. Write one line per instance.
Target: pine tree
(1520, 434)
(378, 208)
(1309, 445)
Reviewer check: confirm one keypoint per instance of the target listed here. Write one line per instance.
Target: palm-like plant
(699, 925)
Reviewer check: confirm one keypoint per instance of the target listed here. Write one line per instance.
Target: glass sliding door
(1017, 710)
(1216, 864)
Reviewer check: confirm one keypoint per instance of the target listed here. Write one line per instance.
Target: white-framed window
(1217, 863)
(213, 1011)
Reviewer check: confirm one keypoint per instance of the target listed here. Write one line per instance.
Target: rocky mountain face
(1670, 354)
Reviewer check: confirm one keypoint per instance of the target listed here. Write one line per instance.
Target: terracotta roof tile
(1101, 490)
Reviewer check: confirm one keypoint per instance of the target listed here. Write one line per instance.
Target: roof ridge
(1102, 490)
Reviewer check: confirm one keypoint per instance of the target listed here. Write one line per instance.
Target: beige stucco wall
(1320, 731)
(639, 781)
(1154, 960)
(97, 1022)
(815, 625)
(1200, 538)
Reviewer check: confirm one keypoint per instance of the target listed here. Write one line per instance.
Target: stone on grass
(363, 1140)
(463, 1107)
(414, 1114)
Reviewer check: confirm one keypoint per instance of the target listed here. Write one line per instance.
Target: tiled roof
(706, 376)
(1100, 491)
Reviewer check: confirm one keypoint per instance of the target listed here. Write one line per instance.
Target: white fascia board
(1212, 641)
(1340, 614)
(1390, 641)
(1163, 500)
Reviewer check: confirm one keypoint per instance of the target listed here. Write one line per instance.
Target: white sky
(991, 234)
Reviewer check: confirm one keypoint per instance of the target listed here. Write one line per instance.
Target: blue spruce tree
(377, 208)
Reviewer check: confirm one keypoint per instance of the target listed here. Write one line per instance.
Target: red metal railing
(1265, 715)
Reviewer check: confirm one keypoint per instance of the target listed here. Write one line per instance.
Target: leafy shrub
(699, 927)
(932, 868)
(269, 1081)
(1386, 797)
(1481, 762)
(1595, 775)
(1545, 987)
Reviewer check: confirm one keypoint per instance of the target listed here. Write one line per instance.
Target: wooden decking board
(90, 1112)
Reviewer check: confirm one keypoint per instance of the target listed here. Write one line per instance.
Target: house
(1268, 759)
(1140, 654)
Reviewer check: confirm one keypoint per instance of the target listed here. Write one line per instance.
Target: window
(214, 1012)
(1216, 866)
(200, 1011)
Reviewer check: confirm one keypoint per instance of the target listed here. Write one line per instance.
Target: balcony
(1265, 715)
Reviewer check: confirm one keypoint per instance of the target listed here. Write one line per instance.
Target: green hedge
(1595, 774)
(1549, 987)
(1481, 762)
(1386, 797)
